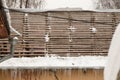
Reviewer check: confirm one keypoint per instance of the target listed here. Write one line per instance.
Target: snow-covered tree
(35, 4)
(107, 4)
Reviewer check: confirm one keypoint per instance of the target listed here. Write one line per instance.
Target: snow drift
(91, 62)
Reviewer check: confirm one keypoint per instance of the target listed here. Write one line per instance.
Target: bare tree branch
(108, 4)
(25, 3)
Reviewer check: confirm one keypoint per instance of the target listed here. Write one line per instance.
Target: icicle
(19, 74)
(69, 73)
(95, 72)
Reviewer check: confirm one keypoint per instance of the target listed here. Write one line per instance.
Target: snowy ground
(94, 62)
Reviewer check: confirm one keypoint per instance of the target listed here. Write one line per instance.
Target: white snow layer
(113, 64)
(92, 62)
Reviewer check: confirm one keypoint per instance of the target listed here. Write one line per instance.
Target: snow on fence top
(28, 10)
(91, 62)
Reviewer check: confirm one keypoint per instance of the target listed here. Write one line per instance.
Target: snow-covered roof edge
(60, 10)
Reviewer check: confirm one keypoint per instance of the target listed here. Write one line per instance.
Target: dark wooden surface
(4, 33)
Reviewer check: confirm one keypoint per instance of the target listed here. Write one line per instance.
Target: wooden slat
(34, 27)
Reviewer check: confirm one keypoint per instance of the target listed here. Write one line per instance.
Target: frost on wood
(113, 64)
(47, 38)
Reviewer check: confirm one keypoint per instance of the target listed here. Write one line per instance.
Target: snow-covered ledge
(91, 62)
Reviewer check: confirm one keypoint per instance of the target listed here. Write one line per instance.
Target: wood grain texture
(49, 74)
